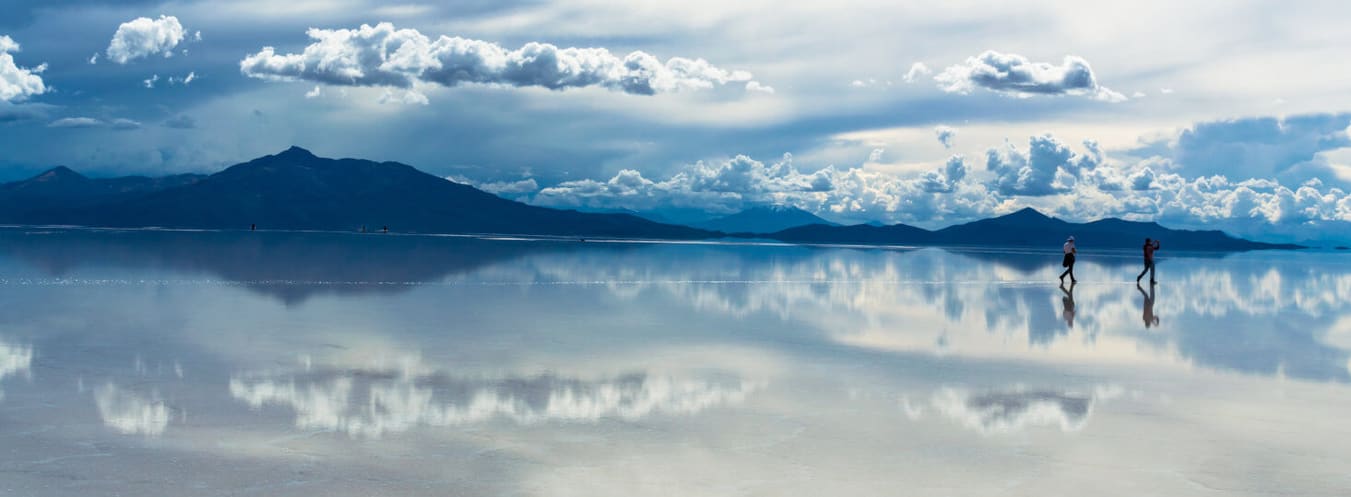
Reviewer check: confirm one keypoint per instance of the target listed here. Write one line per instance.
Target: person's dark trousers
(1068, 271)
(1149, 268)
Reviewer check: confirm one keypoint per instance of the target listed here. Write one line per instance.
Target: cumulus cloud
(143, 37)
(150, 82)
(1015, 75)
(945, 135)
(853, 194)
(385, 56)
(18, 83)
(917, 70)
(1047, 167)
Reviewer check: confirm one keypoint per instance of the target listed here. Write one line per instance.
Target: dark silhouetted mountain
(765, 219)
(1026, 228)
(298, 191)
(62, 188)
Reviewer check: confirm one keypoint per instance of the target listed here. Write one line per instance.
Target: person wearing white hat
(1068, 261)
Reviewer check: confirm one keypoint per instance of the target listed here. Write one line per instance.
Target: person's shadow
(1068, 302)
(1149, 317)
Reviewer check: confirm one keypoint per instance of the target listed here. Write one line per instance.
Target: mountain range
(296, 190)
(1026, 228)
(763, 219)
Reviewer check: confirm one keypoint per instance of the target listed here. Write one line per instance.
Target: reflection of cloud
(14, 360)
(129, 412)
(373, 402)
(1003, 412)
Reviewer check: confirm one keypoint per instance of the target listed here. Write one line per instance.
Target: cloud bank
(1015, 75)
(385, 56)
(17, 83)
(1076, 182)
(143, 37)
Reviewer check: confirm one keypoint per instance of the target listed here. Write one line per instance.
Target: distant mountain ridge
(60, 187)
(1026, 228)
(763, 219)
(295, 189)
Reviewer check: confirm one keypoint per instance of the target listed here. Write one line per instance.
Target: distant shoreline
(1050, 248)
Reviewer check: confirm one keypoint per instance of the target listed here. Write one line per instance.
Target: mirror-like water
(205, 363)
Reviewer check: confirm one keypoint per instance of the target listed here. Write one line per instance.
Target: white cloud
(382, 55)
(408, 97)
(18, 83)
(756, 86)
(315, 93)
(89, 122)
(75, 122)
(501, 188)
(143, 37)
(185, 80)
(917, 70)
(150, 82)
(945, 135)
(1015, 75)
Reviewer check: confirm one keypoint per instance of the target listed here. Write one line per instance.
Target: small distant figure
(1149, 317)
(1068, 302)
(253, 227)
(1068, 261)
(384, 229)
(363, 228)
(1151, 246)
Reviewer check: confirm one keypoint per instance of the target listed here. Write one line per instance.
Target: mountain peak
(59, 173)
(296, 152)
(1026, 213)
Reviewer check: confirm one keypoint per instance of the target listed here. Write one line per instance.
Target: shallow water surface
(209, 363)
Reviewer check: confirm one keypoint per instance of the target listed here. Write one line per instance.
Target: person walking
(1150, 247)
(1068, 261)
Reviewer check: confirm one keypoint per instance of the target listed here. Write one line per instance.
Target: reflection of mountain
(289, 266)
(1002, 412)
(370, 403)
(14, 361)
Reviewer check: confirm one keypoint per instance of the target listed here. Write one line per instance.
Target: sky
(1207, 114)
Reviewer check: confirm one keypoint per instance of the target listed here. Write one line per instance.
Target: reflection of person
(1068, 261)
(1068, 302)
(1149, 317)
(1150, 247)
